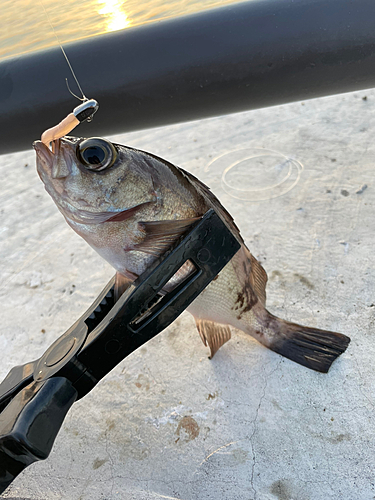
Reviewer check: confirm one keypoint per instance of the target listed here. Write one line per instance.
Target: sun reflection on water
(24, 26)
(116, 18)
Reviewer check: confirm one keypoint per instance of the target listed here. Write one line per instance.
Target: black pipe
(240, 57)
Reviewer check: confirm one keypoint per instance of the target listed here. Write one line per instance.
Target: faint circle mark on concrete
(255, 174)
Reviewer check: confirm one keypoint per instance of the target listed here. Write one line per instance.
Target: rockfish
(131, 207)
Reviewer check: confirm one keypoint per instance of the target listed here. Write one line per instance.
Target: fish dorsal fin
(121, 284)
(250, 272)
(213, 202)
(160, 235)
(258, 278)
(213, 334)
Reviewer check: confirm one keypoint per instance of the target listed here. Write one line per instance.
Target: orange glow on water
(113, 11)
(25, 26)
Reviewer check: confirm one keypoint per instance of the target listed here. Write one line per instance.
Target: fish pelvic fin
(213, 334)
(121, 284)
(310, 347)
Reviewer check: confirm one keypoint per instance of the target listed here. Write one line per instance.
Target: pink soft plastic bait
(81, 113)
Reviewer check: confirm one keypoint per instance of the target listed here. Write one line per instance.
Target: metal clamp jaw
(35, 397)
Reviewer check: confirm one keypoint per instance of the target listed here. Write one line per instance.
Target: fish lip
(43, 152)
(44, 166)
(48, 158)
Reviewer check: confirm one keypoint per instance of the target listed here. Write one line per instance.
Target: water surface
(25, 26)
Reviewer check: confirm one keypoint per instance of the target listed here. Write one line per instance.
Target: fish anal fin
(122, 283)
(212, 334)
(160, 235)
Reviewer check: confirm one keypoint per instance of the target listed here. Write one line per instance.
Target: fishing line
(84, 98)
(256, 174)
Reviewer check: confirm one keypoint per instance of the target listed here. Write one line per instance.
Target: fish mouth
(55, 162)
(54, 166)
(58, 146)
(43, 152)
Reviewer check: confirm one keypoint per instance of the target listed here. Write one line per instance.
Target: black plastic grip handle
(30, 423)
(19, 377)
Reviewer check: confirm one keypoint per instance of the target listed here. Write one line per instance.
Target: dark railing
(240, 57)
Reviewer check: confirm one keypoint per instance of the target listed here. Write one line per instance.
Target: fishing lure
(81, 113)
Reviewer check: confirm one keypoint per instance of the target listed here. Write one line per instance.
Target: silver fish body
(132, 206)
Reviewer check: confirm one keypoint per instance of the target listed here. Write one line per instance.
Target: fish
(132, 207)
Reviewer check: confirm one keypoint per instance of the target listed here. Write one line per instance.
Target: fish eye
(96, 154)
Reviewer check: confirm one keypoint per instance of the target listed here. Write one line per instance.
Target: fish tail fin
(316, 349)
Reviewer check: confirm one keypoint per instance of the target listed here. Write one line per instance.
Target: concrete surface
(168, 423)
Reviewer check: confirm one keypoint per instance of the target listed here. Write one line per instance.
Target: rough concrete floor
(168, 423)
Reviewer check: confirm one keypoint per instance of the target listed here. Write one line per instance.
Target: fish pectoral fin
(213, 334)
(127, 213)
(122, 283)
(160, 235)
